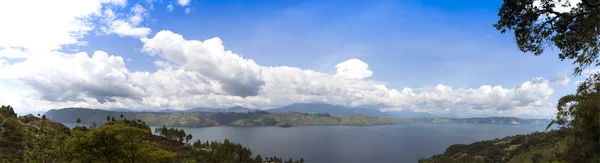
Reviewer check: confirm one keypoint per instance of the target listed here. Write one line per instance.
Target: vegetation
(535, 148)
(262, 118)
(32, 139)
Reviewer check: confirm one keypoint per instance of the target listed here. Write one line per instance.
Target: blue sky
(406, 44)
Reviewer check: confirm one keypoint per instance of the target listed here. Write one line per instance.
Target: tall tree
(536, 25)
(78, 120)
(188, 138)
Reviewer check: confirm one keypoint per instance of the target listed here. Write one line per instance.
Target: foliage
(7, 111)
(227, 151)
(575, 34)
(12, 137)
(173, 134)
(537, 146)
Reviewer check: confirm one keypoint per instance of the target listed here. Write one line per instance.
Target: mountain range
(291, 115)
(313, 108)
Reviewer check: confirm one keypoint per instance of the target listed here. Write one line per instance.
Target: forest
(33, 138)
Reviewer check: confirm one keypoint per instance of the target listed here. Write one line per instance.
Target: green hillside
(31, 138)
(537, 147)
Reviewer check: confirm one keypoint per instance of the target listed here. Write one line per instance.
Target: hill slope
(534, 147)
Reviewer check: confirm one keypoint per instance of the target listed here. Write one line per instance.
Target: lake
(386, 143)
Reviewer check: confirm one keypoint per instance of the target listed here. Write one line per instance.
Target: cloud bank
(195, 73)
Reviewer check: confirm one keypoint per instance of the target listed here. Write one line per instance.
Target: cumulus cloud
(194, 73)
(236, 75)
(127, 25)
(202, 73)
(71, 77)
(353, 69)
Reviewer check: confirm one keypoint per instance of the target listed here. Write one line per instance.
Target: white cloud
(58, 23)
(237, 76)
(127, 25)
(203, 73)
(354, 69)
(188, 10)
(183, 2)
(73, 77)
(170, 8)
(561, 79)
(123, 28)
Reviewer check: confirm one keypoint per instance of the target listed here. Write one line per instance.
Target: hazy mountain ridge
(280, 117)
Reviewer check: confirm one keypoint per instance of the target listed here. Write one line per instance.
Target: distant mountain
(70, 115)
(327, 108)
(240, 116)
(236, 109)
(410, 114)
(341, 110)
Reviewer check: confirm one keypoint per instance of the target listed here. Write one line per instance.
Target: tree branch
(589, 4)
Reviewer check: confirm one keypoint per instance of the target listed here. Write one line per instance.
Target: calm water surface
(388, 143)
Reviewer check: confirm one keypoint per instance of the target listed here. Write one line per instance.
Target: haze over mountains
(310, 108)
(292, 115)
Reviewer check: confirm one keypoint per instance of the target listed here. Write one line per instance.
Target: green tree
(107, 118)
(12, 137)
(43, 116)
(122, 116)
(112, 119)
(78, 120)
(47, 146)
(575, 34)
(7, 111)
(188, 138)
(117, 141)
(258, 158)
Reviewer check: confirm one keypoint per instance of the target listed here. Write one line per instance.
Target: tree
(107, 118)
(112, 119)
(44, 117)
(575, 34)
(188, 138)
(12, 137)
(258, 158)
(122, 116)
(116, 142)
(78, 120)
(7, 111)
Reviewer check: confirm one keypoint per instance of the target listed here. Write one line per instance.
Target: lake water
(387, 143)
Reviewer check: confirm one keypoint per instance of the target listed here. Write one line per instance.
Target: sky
(432, 56)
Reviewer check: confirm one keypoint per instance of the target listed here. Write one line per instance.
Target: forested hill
(33, 138)
(259, 118)
(537, 147)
